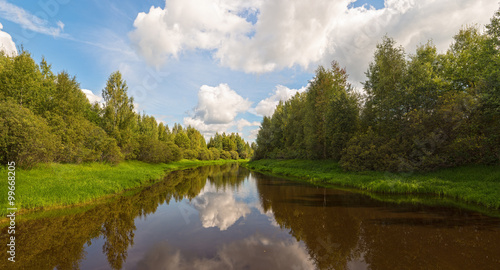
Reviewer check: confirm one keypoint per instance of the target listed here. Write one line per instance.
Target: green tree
(22, 80)
(386, 100)
(263, 140)
(182, 140)
(118, 114)
(331, 113)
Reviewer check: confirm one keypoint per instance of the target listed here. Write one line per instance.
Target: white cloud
(253, 134)
(187, 25)
(219, 210)
(266, 107)
(217, 109)
(6, 44)
(245, 123)
(220, 104)
(29, 21)
(208, 130)
(91, 96)
(297, 33)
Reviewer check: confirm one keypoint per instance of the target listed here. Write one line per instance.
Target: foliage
(46, 117)
(230, 142)
(25, 137)
(316, 124)
(420, 112)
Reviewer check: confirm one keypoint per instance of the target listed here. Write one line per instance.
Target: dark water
(226, 217)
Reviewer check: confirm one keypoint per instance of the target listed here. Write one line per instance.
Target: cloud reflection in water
(219, 209)
(254, 252)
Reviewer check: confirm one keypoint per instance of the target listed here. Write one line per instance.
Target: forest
(418, 112)
(46, 117)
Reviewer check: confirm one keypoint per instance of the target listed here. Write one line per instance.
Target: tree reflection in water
(327, 229)
(347, 230)
(59, 242)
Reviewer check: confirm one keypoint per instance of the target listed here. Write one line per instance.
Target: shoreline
(476, 185)
(60, 186)
(476, 195)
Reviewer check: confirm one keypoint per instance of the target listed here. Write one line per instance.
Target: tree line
(420, 111)
(46, 117)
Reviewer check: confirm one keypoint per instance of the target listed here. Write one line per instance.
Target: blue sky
(222, 65)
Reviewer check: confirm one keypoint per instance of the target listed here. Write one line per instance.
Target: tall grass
(476, 184)
(55, 185)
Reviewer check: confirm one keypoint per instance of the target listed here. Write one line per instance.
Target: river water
(226, 217)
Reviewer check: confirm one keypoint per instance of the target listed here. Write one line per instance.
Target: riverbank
(55, 185)
(472, 184)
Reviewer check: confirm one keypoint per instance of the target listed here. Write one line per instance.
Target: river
(227, 217)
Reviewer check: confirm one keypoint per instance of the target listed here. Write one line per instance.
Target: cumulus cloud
(29, 21)
(246, 253)
(289, 33)
(217, 109)
(253, 134)
(220, 104)
(185, 25)
(91, 96)
(245, 123)
(6, 44)
(266, 107)
(219, 210)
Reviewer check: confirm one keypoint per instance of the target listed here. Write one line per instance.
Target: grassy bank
(472, 184)
(57, 185)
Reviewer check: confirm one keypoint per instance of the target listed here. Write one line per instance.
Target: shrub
(204, 154)
(234, 154)
(25, 138)
(225, 154)
(215, 153)
(190, 154)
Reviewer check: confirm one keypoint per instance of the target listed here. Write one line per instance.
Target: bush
(25, 138)
(151, 150)
(172, 152)
(204, 154)
(110, 151)
(244, 155)
(155, 151)
(215, 153)
(190, 154)
(82, 140)
(225, 154)
(234, 154)
(367, 151)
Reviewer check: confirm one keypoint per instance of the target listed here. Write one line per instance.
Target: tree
(331, 113)
(263, 140)
(386, 101)
(182, 140)
(68, 98)
(22, 81)
(118, 113)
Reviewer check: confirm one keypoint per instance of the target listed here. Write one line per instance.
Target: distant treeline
(47, 118)
(421, 111)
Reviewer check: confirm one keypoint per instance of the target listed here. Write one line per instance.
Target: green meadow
(473, 184)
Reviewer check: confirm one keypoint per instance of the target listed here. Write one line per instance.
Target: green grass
(475, 184)
(58, 185)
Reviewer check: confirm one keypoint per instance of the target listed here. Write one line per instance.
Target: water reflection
(246, 253)
(224, 217)
(219, 209)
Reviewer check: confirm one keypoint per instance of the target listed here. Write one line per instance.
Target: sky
(221, 65)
